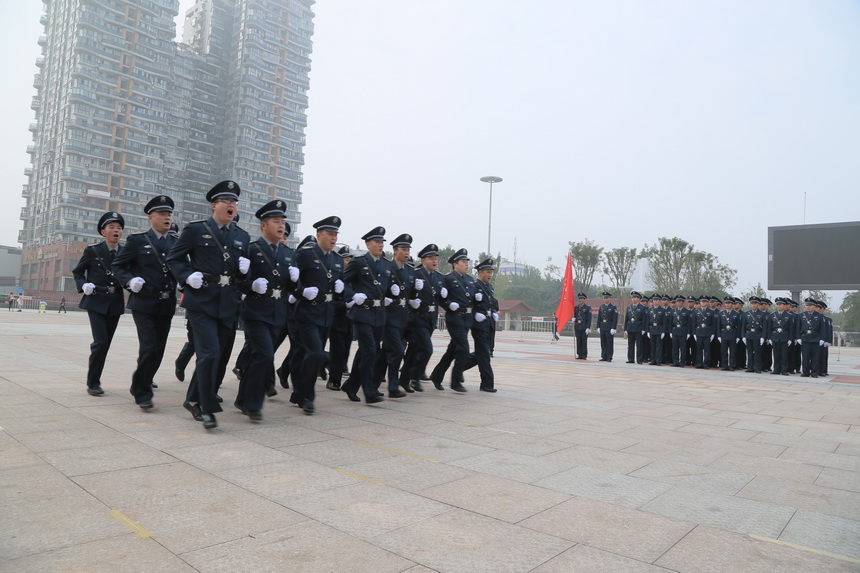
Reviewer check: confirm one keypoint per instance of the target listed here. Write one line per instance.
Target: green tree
(850, 309)
(705, 274)
(618, 265)
(820, 295)
(585, 259)
(666, 260)
(752, 291)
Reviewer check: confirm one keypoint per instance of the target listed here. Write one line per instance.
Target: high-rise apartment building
(124, 112)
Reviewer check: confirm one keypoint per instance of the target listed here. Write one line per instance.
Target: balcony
(43, 20)
(34, 127)
(40, 61)
(35, 103)
(25, 190)
(37, 81)
(31, 149)
(43, 40)
(28, 171)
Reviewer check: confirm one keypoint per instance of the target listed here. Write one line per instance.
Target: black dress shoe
(458, 388)
(397, 394)
(416, 385)
(425, 377)
(271, 392)
(483, 389)
(374, 399)
(749, 370)
(146, 404)
(353, 397)
(785, 373)
(255, 415)
(406, 388)
(602, 360)
(180, 373)
(815, 375)
(294, 399)
(219, 398)
(95, 391)
(194, 409)
(804, 375)
(332, 385)
(308, 406)
(209, 421)
(154, 385)
(629, 362)
(438, 384)
(238, 372)
(282, 378)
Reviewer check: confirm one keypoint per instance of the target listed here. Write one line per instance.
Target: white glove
(688, 337)
(386, 301)
(415, 303)
(737, 340)
(88, 288)
(479, 297)
(662, 335)
(826, 345)
(480, 317)
(243, 296)
(291, 299)
(195, 279)
(761, 340)
(244, 265)
(696, 338)
(310, 293)
(496, 316)
(454, 306)
(587, 331)
(820, 343)
(260, 286)
(395, 290)
(443, 292)
(799, 341)
(338, 286)
(770, 342)
(789, 342)
(643, 333)
(648, 335)
(419, 284)
(612, 331)
(712, 338)
(350, 304)
(719, 339)
(294, 274)
(136, 284)
(670, 335)
(359, 298)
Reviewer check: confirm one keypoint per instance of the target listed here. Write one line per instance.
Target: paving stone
(696, 477)
(510, 465)
(605, 486)
(803, 496)
(585, 558)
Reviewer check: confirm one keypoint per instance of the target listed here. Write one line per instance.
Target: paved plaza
(571, 466)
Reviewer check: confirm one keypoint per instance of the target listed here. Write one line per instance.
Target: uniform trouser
(656, 348)
(389, 358)
(152, 331)
(634, 346)
(646, 348)
(312, 339)
(607, 345)
(259, 372)
(419, 351)
(754, 354)
(457, 352)
(741, 361)
(794, 357)
(667, 350)
(766, 356)
(243, 361)
(103, 327)
(811, 358)
(339, 342)
(481, 356)
(703, 351)
(780, 356)
(294, 356)
(824, 355)
(715, 353)
(581, 344)
(187, 349)
(679, 349)
(729, 351)
(213, 343)
(369, 338)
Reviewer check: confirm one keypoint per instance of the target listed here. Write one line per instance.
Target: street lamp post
(490, 179)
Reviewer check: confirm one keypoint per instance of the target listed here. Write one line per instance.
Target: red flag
(566, 305)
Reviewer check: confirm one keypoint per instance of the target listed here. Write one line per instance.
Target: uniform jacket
(635, 318)
(753, 325)
(398, 310)
(486, 306)
(782, 327)
(680, 321)
(271, 307)
(141, 259)
(728, 324)
(658, 320)
(607, 317)
(92, 270)
(374, 280)
(703, 322)
(461, 289)
(428, 313)
(809, 326)
(582, 317)
(321, 270)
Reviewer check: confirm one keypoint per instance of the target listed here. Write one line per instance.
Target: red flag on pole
(566, 305)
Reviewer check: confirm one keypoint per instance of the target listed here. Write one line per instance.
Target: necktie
(111, 256)
(224, 233)
(162, 244)
(274, 249)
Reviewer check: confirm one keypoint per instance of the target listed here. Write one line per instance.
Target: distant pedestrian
(10, 301)
(62, 306)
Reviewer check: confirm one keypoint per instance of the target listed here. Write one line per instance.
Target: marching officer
(753, 327)
(340, 335)
(321, 278)
(403, 297)
(142, 268)
(704, 331)
(582, 326)
(423, 319)
(486, 313)
(293, 359)
(658, 327)
(369, 278)
(211, 258)
(679, 324)
(607, 321)
(634, 326)
(728, 333)
(827, 338)
(272, 277)
(782, 335)
(809, 330)
(458, 319)
(103, 297)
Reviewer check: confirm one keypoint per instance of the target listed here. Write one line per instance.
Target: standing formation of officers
(313, 296)
(707, 332)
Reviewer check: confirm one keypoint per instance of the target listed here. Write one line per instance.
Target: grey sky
(615, 121)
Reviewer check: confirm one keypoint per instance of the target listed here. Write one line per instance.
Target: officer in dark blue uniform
(293, 360)
(103, 295)
(634, 325)
(766, 347)
(753, 327)
(460, 289)
(369, 279)
(211, 259)
(728, 333)
(809, 328)
(607, 322)
(142, 268)
(826, 338)
(679, 330)
(404, 298)
(741, 354)
(486, 314)
(423, 318)
(657, 329)
(782, 336)
(582, 326)
(320, 283)
(704, 331)
(271, 279)
(340, 335)
(794, 349)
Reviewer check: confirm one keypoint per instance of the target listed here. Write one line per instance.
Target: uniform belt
(401, 302)
(753, 330)
(779, 330)
(274, 293)
(728, 328)
(655, 324)
(809, 332)
(372, 302)
(467, 310)
(328, 297)
(222, 280)
(677, 326)
(158, 294)
(431, 308)
(107, 289)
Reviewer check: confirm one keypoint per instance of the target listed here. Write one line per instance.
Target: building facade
(124, 112)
